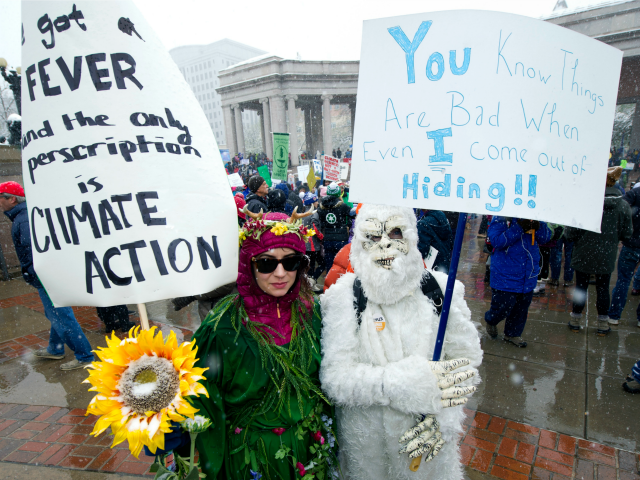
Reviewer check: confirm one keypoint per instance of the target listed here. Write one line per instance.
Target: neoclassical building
(279, 90)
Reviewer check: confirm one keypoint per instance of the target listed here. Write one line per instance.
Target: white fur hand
(452, 393)
(425, 437)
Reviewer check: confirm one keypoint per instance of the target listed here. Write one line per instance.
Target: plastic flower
(301, 471)
(197, 424)
(278, 431)
(278, 229)
(142, 382)
(242, 236)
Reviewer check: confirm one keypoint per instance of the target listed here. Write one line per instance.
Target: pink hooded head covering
(240, 203)
(260, 306)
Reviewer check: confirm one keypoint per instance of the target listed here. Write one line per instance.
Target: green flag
(280, 156)
(264, 173)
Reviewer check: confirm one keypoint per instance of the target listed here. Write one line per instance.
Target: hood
(240, 203)
(283, 186)
(442, 228)
(13, 213)
(330, 202)
(276, 199)
(261, 307)
(612, 197)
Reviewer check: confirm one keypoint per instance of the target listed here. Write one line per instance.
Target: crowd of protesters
(525, 256)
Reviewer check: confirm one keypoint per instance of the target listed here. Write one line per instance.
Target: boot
(540, 288)
(492, 330)
(631, 386)
(574, 322)
(603, 325)
(487, 274)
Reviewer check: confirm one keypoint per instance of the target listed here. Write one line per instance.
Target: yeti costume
(378, 373)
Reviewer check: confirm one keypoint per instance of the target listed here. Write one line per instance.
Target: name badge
(379, 323)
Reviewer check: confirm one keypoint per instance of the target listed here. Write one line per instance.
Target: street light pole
(13, 79)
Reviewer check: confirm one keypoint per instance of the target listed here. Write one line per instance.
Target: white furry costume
(380, 380)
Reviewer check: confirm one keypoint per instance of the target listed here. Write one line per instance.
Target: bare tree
(7, 107)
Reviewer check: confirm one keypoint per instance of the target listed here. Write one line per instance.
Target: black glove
(180, 302)
(527, 225)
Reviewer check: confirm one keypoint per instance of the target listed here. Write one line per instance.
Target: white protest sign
(331, 168)
(244, 161)
(127, 195)
(484, 112)
(344, 171)
(630, 166)
(235, 180)
(303, 172)
(317, 166)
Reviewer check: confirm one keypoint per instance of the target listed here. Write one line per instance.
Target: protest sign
(303, 171)
(235, 180)
(331, 168)
(263, 171)
(629, 166)
(113, 135)
(344, 171)
(484, 112)
(225, 155)
(280, 155)
(311, 178)
(244, 161)
(317, 166)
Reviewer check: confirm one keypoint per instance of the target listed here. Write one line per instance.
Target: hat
(333, 190)
(309, 199)
(255, 183)
(613, 174)
(12, 188)
(240, 203)
(323, 191)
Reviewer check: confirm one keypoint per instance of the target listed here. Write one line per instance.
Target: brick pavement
(53, 436)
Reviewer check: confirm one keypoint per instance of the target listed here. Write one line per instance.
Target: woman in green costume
(262, 347)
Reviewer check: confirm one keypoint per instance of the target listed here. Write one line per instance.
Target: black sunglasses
(269, 264)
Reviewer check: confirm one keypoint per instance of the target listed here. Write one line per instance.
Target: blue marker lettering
(410, 47)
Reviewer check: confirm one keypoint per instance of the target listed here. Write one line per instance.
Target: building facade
(200, 65)
(291, 96)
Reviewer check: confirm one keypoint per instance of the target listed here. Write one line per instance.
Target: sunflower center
(149, 384)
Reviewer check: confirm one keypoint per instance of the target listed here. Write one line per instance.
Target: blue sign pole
(446, 304)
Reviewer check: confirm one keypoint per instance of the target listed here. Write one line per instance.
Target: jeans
(636, 280)
(602, 292)
(627, 262)
(556, 260)
(512, 306)
(331, 249)
(65, 329)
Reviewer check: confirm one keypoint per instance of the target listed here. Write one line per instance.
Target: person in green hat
(334, 221)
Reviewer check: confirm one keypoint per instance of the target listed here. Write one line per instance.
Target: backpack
(428, 284)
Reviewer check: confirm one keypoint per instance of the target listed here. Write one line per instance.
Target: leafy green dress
(269, 418)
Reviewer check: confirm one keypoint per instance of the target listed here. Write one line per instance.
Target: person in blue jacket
(515, 265)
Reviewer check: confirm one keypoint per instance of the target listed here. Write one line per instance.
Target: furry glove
(425, 437)
(452, 393)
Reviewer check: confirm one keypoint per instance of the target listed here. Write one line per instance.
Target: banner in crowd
(484, 112)
(303, 171)
(317, 166)
(235, 180)
(331, 168)
(280, 155)
(263, 171)
(225, 155)
(112, 134)
(311, 178)
(344, 171)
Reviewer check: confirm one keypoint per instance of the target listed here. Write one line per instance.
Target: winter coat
(255, 203)
(633, 198)
(296, 201)
(288, 206)
(434, 231)
(596, 252)
(515, 263)
(333, 215)
(315, 242)
(21, 235)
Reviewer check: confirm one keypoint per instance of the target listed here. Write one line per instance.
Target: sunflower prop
(142, 382)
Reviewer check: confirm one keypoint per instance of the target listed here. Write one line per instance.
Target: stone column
(352, 108)
(326, 122)
(229, 130)
(264, 140)
(278, 115)
(237, 110)
(316, 128)
(307, 132)
(634, 141)
(266, 115)
(293, 129)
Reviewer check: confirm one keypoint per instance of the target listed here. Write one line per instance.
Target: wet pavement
(564, 382)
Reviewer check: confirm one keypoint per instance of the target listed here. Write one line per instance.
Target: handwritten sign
(128, 198)
(484, 112)
(344, 171)
(303, 171)
(235, 180)
(331, 168)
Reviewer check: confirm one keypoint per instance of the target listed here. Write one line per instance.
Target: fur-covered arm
(408, 385)
(461, 339)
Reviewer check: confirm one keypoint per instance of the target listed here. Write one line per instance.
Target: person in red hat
(64, 326)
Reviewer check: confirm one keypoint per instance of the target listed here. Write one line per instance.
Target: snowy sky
(317, 30)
